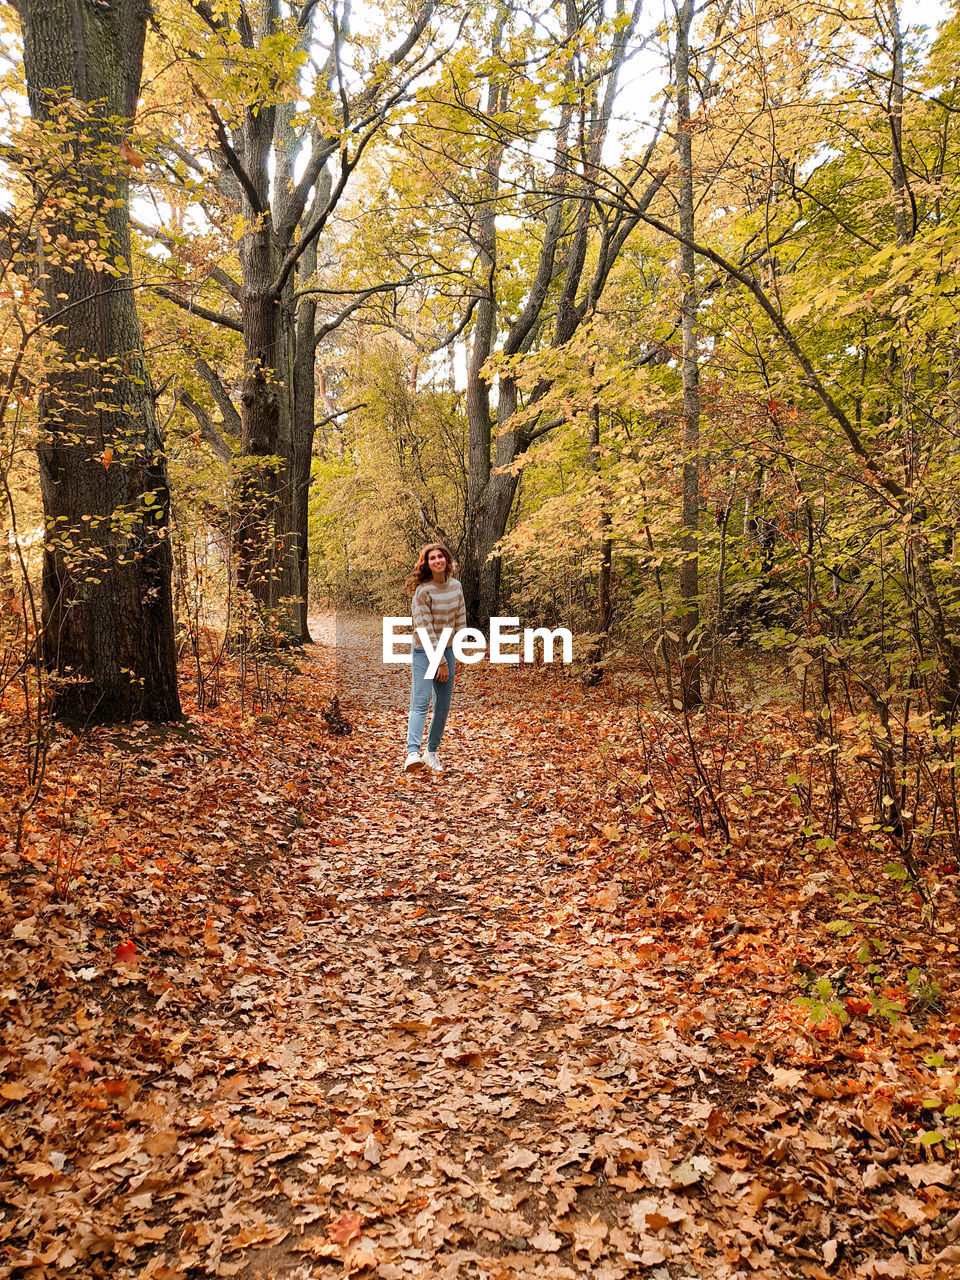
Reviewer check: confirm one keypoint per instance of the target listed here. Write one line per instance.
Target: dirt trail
(483, 1047)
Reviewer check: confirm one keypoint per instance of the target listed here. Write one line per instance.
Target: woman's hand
(443, 672)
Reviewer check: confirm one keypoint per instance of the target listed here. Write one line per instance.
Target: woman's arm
(423, 616)
(461, 621)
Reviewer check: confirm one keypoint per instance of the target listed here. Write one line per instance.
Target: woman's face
(437, 563)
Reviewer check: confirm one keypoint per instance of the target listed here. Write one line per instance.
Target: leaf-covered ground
(272, 1009)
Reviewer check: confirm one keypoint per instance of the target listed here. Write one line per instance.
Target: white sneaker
(413, 763)
(432, 761)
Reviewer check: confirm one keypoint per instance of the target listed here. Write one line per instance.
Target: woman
(437, 603)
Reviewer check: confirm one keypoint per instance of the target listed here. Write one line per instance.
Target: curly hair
(421, 570)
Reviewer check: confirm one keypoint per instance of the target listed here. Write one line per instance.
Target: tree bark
(480, 581)
(273, 166)
(262, 398)
(303, 428)
(593, 674)
(690, 658)
(108, 631)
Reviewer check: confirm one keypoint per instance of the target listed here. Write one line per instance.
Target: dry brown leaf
(546, 1241)
(520, 1158)
(346, 1228)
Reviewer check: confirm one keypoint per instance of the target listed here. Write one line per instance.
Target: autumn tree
(507, 148)
(291, 101)
(689, 567)
(108, 633)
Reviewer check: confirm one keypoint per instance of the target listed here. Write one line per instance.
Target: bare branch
(221, 396)
(215, 273)
(209, 431)
(413, 35)
(329, 326)
(195, 309)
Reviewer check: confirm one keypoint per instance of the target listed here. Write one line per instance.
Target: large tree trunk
(107, 596)
(480, 580)
(690, 565)
(290, 602)
(264, 404)
(500, 492)
(303, 429)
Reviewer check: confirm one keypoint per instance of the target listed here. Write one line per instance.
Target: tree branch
(413, 35)
(339, 413)
(215, 273)
(790, 341)
(221, 396)
(209, 431)
(195, 309)
(328, 326)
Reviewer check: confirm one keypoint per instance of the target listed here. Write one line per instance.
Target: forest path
(484, 1055)
(495, 1066)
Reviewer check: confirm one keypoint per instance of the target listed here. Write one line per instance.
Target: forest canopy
(649, 314)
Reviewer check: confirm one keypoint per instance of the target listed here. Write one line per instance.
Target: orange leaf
(107, 458)
(346, 1228)
(78, 1059)
(130, 156)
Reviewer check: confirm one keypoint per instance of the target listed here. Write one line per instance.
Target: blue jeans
(420, 691)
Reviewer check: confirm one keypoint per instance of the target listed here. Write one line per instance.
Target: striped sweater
(438, 605)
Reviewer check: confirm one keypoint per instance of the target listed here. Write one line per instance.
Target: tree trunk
(264, 406)
(107, 594)
(481, 581)
(593, 674)
(304, 420)
(491, 490)
(690, 566)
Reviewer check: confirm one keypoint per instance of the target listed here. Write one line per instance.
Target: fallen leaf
(520, 1158)
(346, 1228)
(691, 1171)
(588, 1236)
(925, 1175)
(786, 1078)
(651, 1214)
(247, 1237)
